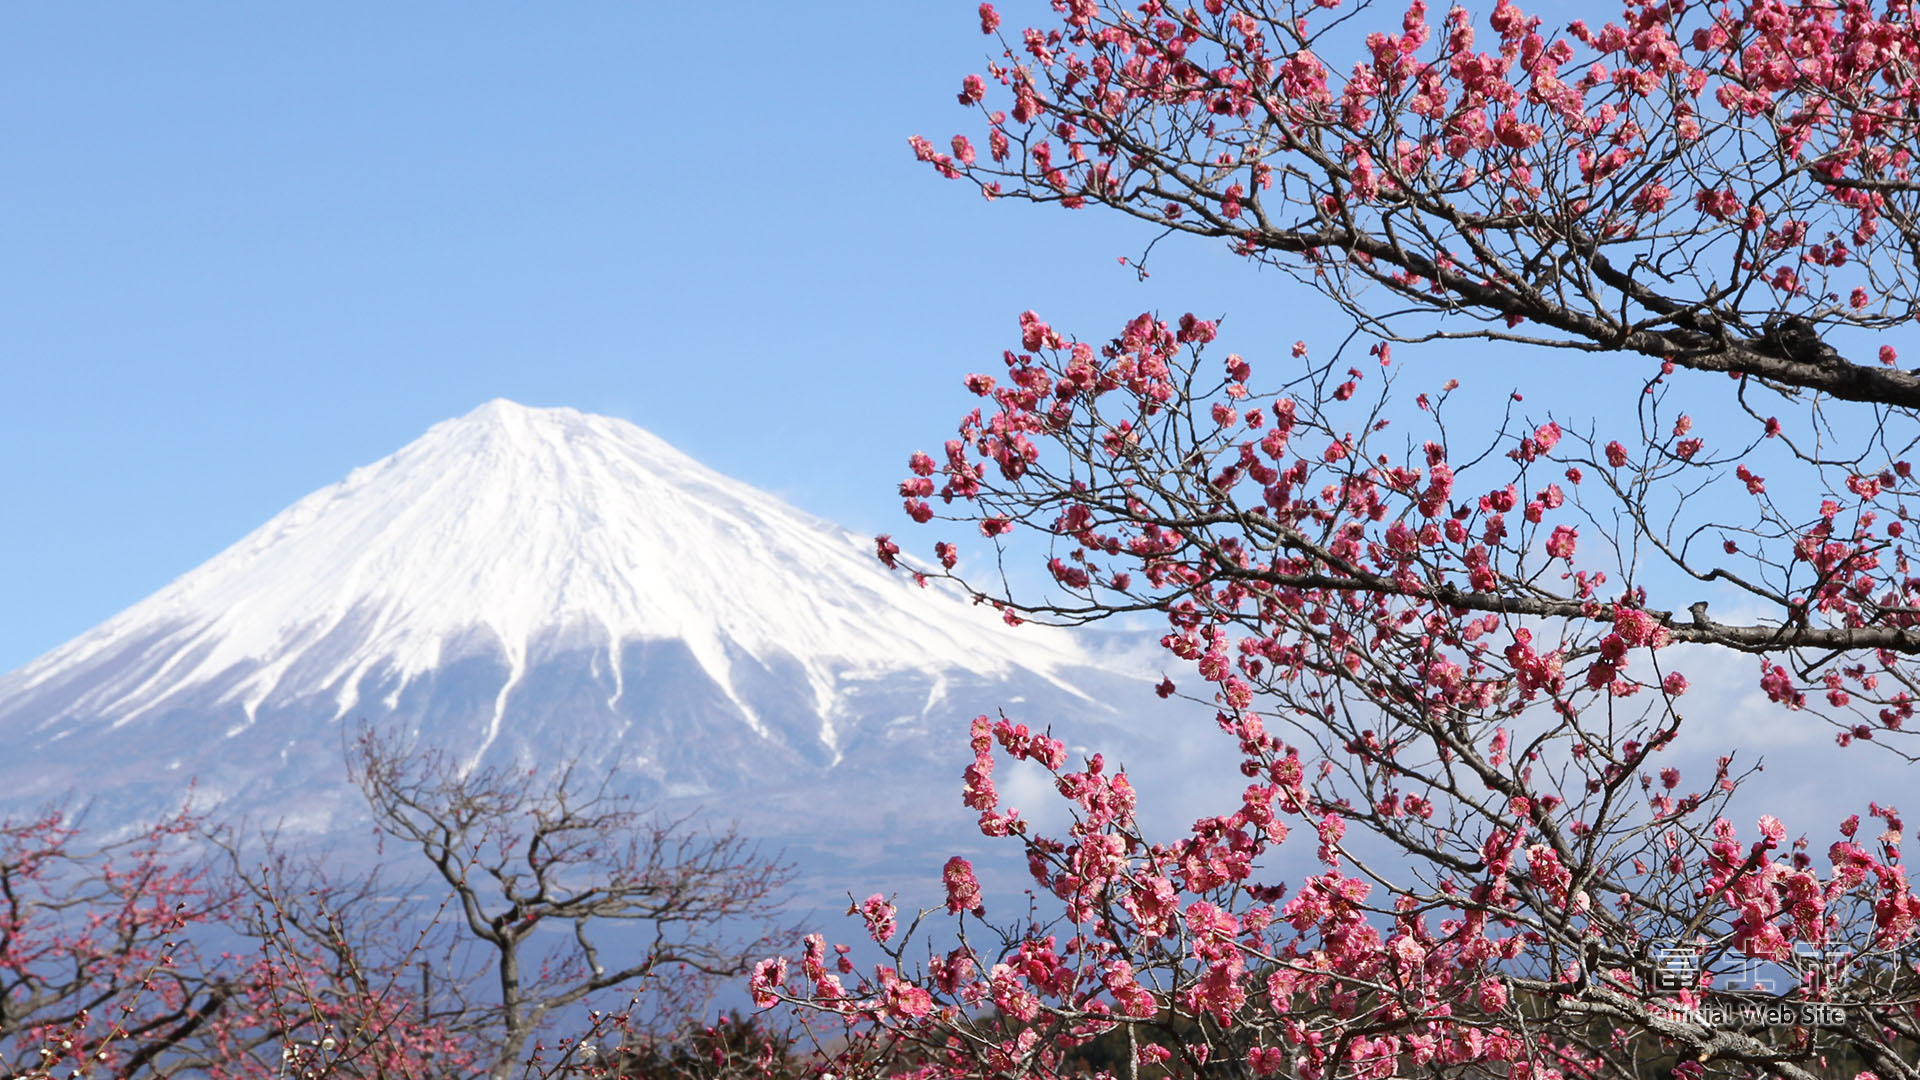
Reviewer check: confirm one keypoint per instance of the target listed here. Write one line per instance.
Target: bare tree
(624, 895)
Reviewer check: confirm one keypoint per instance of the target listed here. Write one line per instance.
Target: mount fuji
(539, 585)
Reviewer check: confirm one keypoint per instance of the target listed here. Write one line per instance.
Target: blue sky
(250, 248)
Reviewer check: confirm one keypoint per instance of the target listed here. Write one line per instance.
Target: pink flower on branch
(963, 889)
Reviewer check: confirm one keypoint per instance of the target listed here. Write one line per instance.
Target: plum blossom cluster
(102, 971)
(1147, 929)
(1280, 510)
(1412, 164)
(1193, 953)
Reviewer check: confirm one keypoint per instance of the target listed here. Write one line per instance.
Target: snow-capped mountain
(528, 584)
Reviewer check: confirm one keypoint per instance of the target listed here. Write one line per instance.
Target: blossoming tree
(574, 933)
(1454, 667)
(137, 956)
(93, 964)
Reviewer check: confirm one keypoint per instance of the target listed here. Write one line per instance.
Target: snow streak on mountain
(525, 584)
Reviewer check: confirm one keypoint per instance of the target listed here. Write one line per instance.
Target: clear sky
(247, 248)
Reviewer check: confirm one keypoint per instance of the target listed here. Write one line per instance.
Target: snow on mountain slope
(525, 581)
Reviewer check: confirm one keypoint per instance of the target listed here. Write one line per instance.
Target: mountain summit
(518, 583)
